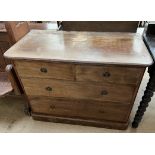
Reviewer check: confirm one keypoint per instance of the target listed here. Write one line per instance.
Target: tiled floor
(12, 118)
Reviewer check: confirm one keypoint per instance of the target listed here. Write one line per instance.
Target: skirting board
(77, 121)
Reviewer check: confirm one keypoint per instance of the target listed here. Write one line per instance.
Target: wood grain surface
(45, 70)
(79, 108)
(110, 74)
(87, 47)
(80, 72)
(78, 121)
(78, 90)
(85, 78)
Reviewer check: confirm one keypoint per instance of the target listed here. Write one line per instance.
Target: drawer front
(78, 90)
(80, 108)
(44, 70)
(123, 75)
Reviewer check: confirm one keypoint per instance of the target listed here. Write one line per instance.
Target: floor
(12, 118)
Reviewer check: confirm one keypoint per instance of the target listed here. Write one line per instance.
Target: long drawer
(78, 90)
(79, 108)
(123, 75)
(45, 70)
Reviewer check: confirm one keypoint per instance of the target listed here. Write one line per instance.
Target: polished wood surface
(99, 26)
(92, 47)
(6, 38)
(66, 73)
(10, 34)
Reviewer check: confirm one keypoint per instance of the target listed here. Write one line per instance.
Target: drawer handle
(48, 88)
(52, 107)
(104, 92)
(106, 74)
(44, 70)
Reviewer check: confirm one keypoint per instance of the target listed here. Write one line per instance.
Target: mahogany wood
(45, 70)
(10, 33)
(110, 74)
(78, 90)
(87, 47)
(64, 82)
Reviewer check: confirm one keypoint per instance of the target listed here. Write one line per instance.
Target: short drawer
(78, 90)
(80, 109)
(123, 75)
(44, 70)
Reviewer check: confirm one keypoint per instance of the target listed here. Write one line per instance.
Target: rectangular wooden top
(83, 47)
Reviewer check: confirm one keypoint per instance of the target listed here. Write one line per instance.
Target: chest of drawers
(80, 77)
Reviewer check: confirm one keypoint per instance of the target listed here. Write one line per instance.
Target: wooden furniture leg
(146, 97)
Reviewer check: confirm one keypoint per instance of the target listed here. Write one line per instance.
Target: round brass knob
(106, 74)
(48, 88)
(43, 70)
(104, 92)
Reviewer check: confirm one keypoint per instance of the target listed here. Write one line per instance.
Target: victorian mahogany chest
(88, 78)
